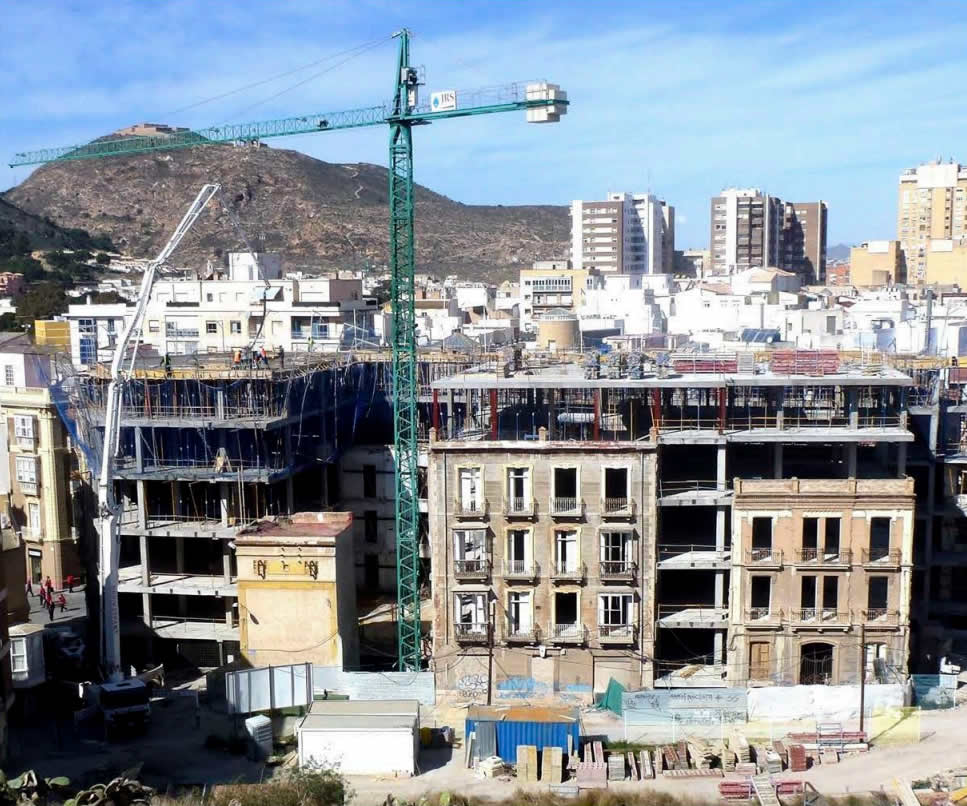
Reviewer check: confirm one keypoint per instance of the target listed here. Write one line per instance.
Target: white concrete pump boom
(108, 510)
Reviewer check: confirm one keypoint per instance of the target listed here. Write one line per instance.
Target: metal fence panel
(248, 691)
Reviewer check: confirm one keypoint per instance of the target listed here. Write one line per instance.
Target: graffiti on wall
(472, 686)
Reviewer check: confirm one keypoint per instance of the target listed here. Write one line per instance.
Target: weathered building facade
(540, 553)
(819, 566)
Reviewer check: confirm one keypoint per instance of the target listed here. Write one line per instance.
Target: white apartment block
(931, 205)
(627, 233)
(221, 315)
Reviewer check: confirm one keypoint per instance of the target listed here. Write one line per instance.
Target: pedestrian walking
(62, 602)
(50, 609)
(70, 583)
(50, 589)
(30, 587)
(281, 357)
(43, 596)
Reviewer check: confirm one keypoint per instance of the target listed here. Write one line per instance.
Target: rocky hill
(317, 214)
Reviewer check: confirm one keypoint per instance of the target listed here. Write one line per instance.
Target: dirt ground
(173, 753)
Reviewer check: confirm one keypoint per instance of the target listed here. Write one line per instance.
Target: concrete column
(147, 612)
(551, 414)
(928, 533)
(142, 505)
(718, 643)
(220, 404)
(229, 601)
(226, 562)
(224, 500)
(851, 460)
(180, 555)
(780, 415)
(777, 461)
(720, 467)
(852, 408)
(289, 482)
(290, 495)
(451, 419)
(138, 449)
(934, 429)
(901, 460)
(145, 560)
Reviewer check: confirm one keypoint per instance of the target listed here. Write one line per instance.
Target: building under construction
(682, 522)
(207, 448)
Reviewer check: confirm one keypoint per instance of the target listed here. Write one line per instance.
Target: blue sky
(804, 99)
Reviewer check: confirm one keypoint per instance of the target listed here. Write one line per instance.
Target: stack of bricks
(728, 758)
(659, 762)
(591, 772)
(552, 765)
(633, 766)
(682, 755)
(741, 746)
(527, 763)
(647, 770)
(797, 758)
(616, 767)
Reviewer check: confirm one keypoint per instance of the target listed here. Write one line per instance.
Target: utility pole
(862, 673)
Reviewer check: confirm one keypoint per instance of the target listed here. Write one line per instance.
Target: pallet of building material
(773, 762)
(705, 363)
(616, 767)
(682, 750)
(741, 747)
(727, 759)
(746, 768)
(671, 757)
(599, 753)
(552, 765)
(690, 773)
(790, 786)
(492, 767)
(565, 790)
(804, 362)
(659, 759)
(796, 758)
(591, 775)
(780, 748)
(647, 770)
(633, 766)
(735, 790)
(700, 754)
(527, 763)
(856, 747)
(829, 755)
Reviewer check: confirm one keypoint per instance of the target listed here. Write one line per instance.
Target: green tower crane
(542, 102)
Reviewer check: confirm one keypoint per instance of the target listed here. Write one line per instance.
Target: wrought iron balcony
(515, 507)
(471, 569)
(764, 557)
(881, 557)
(569, 633)
(515, 634)
(618, 570)
(617, 633)
(475, 508)
(617, 508)
(521, 569)
(827, 559)
(472, 632)
(881, 617)
(567, 507)
(820, 617)
(562, 572)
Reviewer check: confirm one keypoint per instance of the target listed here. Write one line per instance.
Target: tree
(102, 259)
(9, 323)
(42, 301)
(107, 298)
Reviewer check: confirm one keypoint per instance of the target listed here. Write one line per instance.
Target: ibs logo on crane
(443, 101)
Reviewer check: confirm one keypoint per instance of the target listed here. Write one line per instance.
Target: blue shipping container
(510, 734)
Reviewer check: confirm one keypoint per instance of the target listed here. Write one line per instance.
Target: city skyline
(819, 96)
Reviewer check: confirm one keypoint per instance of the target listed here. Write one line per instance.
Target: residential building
(550, 285)
(7, 693)
(516, 522)
(813, 562)
(837, 273)
(876, 263)
(931, 204)
(627, 233)
(692, 263)
(947, 262)
(751, 229)
(39, 470)
(222, 315)
(297, 592)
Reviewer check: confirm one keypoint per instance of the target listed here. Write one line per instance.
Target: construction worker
(166, 365)
(281, 357)
(62, 602)
(237, 358)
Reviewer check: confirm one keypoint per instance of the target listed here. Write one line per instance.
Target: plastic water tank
(259, 729)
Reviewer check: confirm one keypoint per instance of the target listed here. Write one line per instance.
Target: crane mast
(542, 102)
(109, 547)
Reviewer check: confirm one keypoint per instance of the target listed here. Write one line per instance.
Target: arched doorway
(815, 663)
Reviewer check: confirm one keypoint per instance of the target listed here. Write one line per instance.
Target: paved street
(76, 608)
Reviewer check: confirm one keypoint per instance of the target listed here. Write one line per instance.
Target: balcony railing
(764, 557)
(568, 571)
(471, 508)
(567, 507)
(880, 557)
(521, 569)
(815, 556)
(763, 615)
(618, 569)
(820, 616)
(519, 508)
(692, 486)
(29, 487)
(477, 569)
(617, 507)
(472, 632)
(526, 635)
(616, 633)
(568, 633)
(881, 616)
